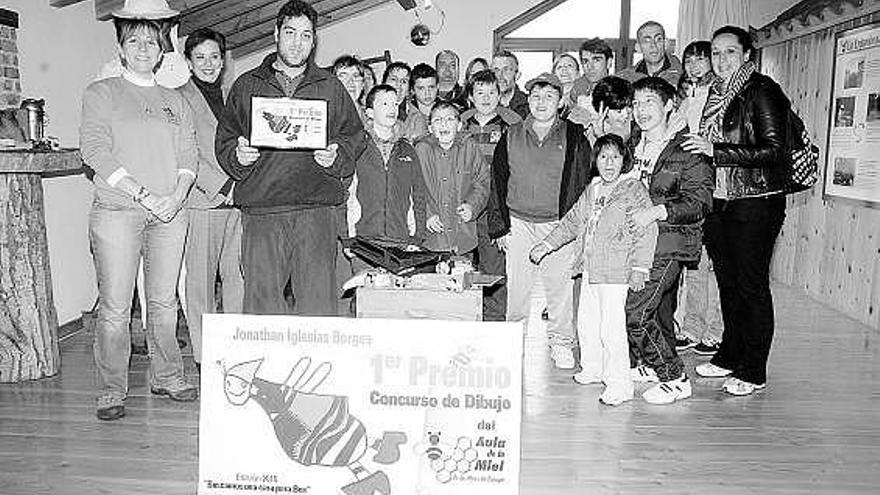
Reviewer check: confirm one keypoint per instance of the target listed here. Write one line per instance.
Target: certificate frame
(852, 168)
(288, 123)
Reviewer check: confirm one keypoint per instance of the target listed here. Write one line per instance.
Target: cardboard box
(434, 304)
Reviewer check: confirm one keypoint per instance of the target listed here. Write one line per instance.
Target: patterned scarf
(721, 94)
(720, 98)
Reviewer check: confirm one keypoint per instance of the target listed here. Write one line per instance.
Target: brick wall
(10, 77)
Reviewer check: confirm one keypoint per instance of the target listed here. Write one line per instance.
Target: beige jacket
(205, 193)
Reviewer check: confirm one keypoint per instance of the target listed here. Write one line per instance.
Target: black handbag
(803, 157)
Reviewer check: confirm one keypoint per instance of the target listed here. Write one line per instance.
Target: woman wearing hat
(138, 138)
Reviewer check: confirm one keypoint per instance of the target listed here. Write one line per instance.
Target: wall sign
(852, 167)
(359, 406)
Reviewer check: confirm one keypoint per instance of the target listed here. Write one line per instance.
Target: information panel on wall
(852, 169)
(359, 406)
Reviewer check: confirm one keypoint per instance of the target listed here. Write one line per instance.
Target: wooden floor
(816, 429)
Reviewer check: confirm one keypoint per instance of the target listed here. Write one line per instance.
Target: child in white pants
(616, 255)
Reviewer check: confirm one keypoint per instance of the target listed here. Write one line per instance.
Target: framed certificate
(852, 166)
(288, 123)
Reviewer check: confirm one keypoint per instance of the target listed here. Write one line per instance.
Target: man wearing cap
(287, 196)
(651, 38)
(539, 170)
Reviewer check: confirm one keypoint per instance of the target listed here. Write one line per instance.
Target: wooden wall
(830, 248)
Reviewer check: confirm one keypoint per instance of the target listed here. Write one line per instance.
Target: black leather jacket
(756, 127)
(683, 183)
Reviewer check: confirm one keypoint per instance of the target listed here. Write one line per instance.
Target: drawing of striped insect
(280, 124)
(311, 428)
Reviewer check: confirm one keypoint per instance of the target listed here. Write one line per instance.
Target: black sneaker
(706, 348)
(684, 343)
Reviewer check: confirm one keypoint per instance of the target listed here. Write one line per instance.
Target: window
(556, 26)
(574, 19)
(532, 64)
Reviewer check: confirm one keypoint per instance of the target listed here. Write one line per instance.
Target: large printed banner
(359, 406)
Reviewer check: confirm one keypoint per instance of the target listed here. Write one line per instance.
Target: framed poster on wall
(852, 166)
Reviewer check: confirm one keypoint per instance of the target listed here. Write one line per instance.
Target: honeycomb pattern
(460, 460)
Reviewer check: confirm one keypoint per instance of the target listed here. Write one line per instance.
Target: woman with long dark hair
(744, 129)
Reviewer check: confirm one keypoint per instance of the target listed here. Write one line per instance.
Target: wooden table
(28, 322)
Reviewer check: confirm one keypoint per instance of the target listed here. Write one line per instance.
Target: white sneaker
(735, 386)
(562, 356)
(709, 370)
(669, 392)
(615, 396)
(585, 378)
(643, 374)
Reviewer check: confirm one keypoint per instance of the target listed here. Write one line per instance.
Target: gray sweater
(609, 247)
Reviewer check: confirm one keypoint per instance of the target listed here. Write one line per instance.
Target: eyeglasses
(444, 120)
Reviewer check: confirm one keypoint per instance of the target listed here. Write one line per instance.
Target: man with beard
(506, 68)
(448, 66)
(287, 196)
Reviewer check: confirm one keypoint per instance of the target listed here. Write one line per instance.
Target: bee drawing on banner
(432, 446)
(315, 429)
(280, 124)
(443, 461)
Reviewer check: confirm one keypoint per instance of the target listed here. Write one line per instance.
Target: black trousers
(296, 247)
(740, 235)
(491, 261)
(649, 323)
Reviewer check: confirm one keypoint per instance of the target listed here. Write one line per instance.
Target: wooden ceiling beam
(104, 8)
(267, 12)
(62, 3)
(223, 14)
(261, 36)
(248, 25)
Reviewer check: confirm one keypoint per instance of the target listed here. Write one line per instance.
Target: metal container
(35, 118)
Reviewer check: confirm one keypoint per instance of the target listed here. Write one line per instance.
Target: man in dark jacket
(286, 196)
(680, 185)
(506, 68)
(656, 61)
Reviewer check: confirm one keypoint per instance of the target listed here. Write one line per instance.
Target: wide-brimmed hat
(546, 78)
(146, 9)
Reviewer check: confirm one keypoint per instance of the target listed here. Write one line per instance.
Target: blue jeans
(119, 238)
